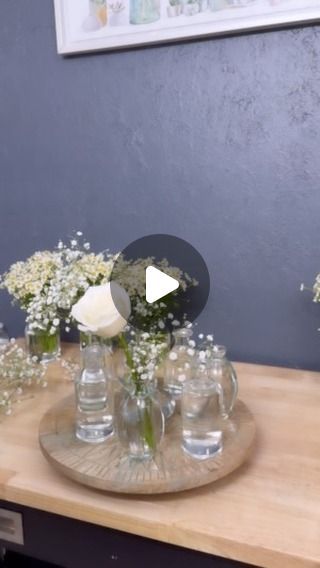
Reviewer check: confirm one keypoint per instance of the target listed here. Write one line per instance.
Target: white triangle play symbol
(158, 284)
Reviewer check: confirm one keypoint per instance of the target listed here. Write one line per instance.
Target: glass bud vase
(43, 345)
(144, 11)
(94, 421)
(223, 373)
(140, 424)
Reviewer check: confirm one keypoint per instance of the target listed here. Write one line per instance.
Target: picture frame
(90, 25)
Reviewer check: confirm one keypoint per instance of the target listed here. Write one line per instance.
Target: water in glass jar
(201, 421)
(94, 411)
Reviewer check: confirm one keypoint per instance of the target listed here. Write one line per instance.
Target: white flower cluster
(144, 352)
(48, 283)
(316, 289)
(18, 372)
(27, 279)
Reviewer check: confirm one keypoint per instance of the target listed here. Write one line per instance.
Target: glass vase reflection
(144, 11)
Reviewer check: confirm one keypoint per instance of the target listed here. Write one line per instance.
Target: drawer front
(11, 527)
(68, 543)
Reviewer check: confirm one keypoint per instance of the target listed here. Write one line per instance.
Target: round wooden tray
(106, 466)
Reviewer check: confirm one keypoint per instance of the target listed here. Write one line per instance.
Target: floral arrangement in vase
(139, 411)
(140, 422)
(48, 283)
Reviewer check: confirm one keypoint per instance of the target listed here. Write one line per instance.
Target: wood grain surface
(266, 513)
(107, 466)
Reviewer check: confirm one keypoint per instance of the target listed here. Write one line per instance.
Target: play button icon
(158, 284)
(166, 279)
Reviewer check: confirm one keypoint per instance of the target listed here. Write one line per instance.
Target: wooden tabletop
(267, 513)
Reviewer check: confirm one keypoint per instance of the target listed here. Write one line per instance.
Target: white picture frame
(79, 33)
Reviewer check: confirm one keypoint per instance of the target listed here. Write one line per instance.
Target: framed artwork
(85, 25)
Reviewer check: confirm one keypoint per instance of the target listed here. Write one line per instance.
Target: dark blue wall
(215, 141)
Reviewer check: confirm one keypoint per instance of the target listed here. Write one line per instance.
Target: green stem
(148, 432)
(145, 415)
(124, 344)
(48, 342)
(41, 342)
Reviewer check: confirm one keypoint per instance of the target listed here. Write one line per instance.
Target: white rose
(97, 313)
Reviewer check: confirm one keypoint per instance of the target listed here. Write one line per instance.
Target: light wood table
(267, 513)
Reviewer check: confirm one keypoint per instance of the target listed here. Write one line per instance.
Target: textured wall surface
(214, 141)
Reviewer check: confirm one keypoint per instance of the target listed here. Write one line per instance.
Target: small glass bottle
(178, 366)
(140, 423)
(223, 373)
(94, 408)
(201, 419)
(4, 337)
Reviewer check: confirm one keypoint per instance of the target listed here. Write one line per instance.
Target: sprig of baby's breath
(18, 373)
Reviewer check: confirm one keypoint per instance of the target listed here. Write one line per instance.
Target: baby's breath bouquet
(77, 269)
(48, 283)
(27, 280)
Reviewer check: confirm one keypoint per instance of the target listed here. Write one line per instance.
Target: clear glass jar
(144, 11)
(222, 372)
(94, 421)
(42, 344)
(140, 423)
(201, 418)
(178, 366)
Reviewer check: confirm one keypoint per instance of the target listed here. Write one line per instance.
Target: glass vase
(221, 371)
(201, 421)
(43, 345)
(94, 422)
(144, 11)
(140, 424)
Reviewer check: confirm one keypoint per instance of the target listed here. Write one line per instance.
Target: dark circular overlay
(176, 258)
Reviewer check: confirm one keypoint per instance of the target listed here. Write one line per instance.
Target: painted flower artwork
(101, 24)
